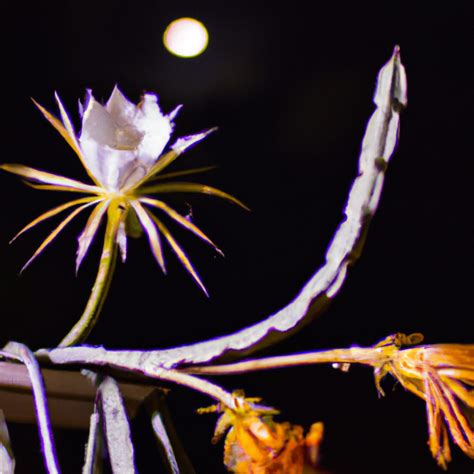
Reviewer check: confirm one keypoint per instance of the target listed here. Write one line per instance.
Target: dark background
(290, 88)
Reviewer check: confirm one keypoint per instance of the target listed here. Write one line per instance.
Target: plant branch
(7, 460)
(195, 383)
(21, 352)
(137, 362)
(377, 147)
(116, 426)
(93, 444)
(378, 144)
(171, 448)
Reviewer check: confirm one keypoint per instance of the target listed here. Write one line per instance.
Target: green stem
(99, 292)
(201, 385)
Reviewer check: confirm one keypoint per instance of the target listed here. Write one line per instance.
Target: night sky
(290, 87)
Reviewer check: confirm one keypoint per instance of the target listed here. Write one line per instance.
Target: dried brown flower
(443, 376)
(256, 444)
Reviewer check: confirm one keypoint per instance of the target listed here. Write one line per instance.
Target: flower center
(126, 138)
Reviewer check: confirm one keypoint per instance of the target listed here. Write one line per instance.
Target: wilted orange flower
(443, 376)
(256, 444)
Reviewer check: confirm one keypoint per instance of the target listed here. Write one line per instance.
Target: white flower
(121, 141)
(121, 147)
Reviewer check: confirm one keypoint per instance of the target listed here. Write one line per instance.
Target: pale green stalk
(99, 292)
(354, 355)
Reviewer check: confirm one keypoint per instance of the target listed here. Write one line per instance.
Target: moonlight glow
(186, 37)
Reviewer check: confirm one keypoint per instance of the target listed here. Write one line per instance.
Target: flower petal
(119, 141)
(49, 178)
(179, 253)
(453, 414)
(172, 115)
(145, 122)
(130, 140)
(155, 128)
(56, 231)
(112, 167)
(120, 108)
(165, 160)
(180, 219)
(183, 143)
(88, 234)
(97, 123)
(52, 213)
(151, 232)
(100, 145)
(438, 436)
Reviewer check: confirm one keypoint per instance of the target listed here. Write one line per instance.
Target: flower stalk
(89, 317)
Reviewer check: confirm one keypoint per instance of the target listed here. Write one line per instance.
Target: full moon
(186, 37)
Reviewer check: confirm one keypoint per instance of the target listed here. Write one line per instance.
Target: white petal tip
(172, 115)
(148, 99)
(123, 254)
(184, 143)
(78, 265)
(88, 102)
(150, 96)
(80, 106)
(201, 285)
(25, 266)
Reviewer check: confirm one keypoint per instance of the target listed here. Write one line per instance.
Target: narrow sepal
(49, 178)
(151, 232)
(68, 135)
(179, 253)
(90, 230)
(187, 224)
(183, 187)
(56, 231)
(53, 212)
